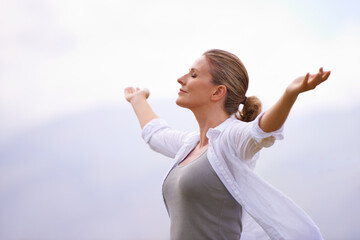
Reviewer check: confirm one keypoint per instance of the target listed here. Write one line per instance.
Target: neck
(208, 118)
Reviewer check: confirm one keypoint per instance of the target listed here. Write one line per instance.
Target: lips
(182, 91)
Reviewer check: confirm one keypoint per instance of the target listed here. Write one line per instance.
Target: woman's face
(196, 86)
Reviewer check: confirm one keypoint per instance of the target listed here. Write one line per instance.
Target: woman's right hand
(132, 93)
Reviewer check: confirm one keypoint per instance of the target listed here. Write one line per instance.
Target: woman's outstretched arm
(275, 117)
(142, 109)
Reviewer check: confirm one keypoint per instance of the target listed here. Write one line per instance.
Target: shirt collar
(213, 133)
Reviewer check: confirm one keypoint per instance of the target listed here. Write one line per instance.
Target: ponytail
(250, 110)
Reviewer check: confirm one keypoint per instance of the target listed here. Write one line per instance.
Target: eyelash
(193, 75)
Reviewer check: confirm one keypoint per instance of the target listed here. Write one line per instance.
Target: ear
(219, 93)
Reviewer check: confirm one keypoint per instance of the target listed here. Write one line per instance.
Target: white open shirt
(232, 152)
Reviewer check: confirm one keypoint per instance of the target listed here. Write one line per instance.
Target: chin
(180, 103)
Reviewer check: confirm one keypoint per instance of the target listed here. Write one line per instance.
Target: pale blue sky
(60, 57)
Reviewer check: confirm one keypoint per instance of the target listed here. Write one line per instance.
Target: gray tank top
(199, 205)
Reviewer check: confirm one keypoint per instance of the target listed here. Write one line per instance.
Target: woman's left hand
(275, 117)
(307, 82)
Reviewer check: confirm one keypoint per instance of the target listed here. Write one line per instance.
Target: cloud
(60, 57)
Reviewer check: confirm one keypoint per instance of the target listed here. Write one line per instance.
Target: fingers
(147, 92)
(319, 77)
(326, 76)
(129, 90)
(306, 79)
(314, 80)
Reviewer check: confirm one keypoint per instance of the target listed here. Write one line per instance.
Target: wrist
(137, 98)
(290, 95)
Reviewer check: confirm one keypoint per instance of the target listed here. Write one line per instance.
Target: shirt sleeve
(162, 138)
(249, 138)
(265, 139)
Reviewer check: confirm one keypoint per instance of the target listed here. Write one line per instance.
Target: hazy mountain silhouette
(90, 175)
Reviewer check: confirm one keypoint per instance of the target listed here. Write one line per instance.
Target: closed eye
(193, 73)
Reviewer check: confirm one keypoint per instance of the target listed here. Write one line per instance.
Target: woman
(211, 192)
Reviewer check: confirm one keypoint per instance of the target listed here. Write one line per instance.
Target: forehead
(201, 64)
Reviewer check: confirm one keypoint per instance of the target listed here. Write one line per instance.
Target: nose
(181, 80)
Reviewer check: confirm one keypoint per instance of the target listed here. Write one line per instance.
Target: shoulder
(228, 132)
(234, 127)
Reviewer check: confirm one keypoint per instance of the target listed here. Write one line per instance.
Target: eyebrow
(193, 69)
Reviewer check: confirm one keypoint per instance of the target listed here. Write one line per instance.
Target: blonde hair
(227, 69)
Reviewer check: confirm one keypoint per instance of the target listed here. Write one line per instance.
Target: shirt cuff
(151, 127)
(266, 139)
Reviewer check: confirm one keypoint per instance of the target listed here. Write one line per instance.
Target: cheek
(204, 90)
(200, 87)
